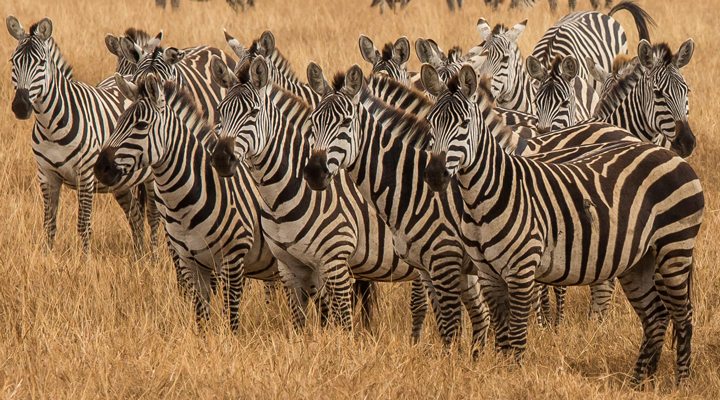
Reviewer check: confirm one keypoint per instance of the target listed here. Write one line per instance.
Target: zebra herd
(481, 179)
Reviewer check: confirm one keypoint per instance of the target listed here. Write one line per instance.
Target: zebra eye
(346, 122)
(141, 126)
(254, 112)
(465, 124)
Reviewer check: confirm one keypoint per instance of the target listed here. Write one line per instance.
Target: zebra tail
(641, 17)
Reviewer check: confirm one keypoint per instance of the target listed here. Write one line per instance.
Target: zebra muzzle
(684, 142)
(436, 174)
(316, 172)
(21, 106)
(223, 157)
(106, 170)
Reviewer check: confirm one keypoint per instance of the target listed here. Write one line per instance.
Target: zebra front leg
(447, 278)
(86, 194)
(365, 298)
(600, 297)
(234, 283)
(478, 311)
(595, 4)
(495, 294)
(639, 286)
(202, 283)
(270, 291)
(560, 294)
(520, 289)
(50, 188)
(338, 283)
(418, 308)
(542, 306)
(152, 214)
(298, 293)
(133, 213)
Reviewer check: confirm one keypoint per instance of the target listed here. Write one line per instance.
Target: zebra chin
(436, 173)
(21, 106)
(223, 157)
(106, 170)
(316, 172)
(684, 142)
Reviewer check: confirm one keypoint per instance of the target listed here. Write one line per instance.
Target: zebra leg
(459, 4)
(560, 294)
(446, 276)
(542, 307)
(418, 308)
(553, 5)
(202, 283)
(595, 4)
(674, 286)
(638, 283)
(478, 311)
(298, 293)
(365, 297)
(86, 193)
(234, 283)
(160, 3)
(600, 297)
(50, 188)
(495, 293)
(152, 213)
(520, 286)
(270, 291)
(338, 283)
(451, 5)
(133, 213)
(175, 4)
(608, 3)
(572, 4)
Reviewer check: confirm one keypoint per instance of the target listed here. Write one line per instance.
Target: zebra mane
(388, 51)
(663, 53)
(620, 62)
(243, 75)
(137, 36)
(499, 29)
(338, 81)
(455, 54)
(278, 60)
(614, 95)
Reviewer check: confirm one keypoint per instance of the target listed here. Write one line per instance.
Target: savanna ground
(108, 325)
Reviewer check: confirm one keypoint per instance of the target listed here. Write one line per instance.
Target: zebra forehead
(663, 54)
(388, 51)
(499, 29)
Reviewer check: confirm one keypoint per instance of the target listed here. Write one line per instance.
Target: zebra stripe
(72, 121)
(630, 210)
(210, 222)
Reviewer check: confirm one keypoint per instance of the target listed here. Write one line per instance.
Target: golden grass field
(108, 326)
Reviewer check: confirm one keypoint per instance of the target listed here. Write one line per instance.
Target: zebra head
(139, 38)
(264, 46)
(454, 124)
(241, 136)
(669, 92)
(447, 66)
(555, 96)
(153, 59)
(136, 142)
(623, 66)
(501, 56)
(392, 61)
(334, 125)
(31, 73)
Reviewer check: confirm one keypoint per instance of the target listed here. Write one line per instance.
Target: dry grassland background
(110, 326)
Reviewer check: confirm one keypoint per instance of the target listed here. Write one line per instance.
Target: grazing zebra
(211, 223)
(138, 37)
(649, 97)
(321, 237)
(72, 121)
(631, 210)
(381, 167)
(390, 3)
(581, 34)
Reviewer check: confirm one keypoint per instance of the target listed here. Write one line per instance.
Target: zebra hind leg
(478, 311)
(553, 5)
(543, 306)
(560, 295)
(133, 208)
(418, 308)
(639, 286)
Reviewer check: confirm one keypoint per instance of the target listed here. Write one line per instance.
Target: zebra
(379, 168)
(210, 222)
(581, 34)
(631, 210)
(392, 61)
(390, 3)
(138, 37)
(72, 121)
(552, 3)
(234, 4)
(650, 96)
(315, 235)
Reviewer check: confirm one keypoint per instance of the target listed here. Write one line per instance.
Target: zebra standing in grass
(318, 237)
(631, 210)
(211, 222)
(72, 121)
(582, 34)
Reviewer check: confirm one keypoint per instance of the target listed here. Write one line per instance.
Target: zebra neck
(56, 101)
(631, 107)
(519, 96)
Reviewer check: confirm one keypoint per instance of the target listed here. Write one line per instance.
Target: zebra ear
(259, 73)
(316, 79)
(235, 45)
(127, 88)
(153, 43)
(569, 68)
(402, 50)
(221, 73)
(131, 51)
(467, 78)
(425, 52)
(172, 55)
(596, 71)
(113, 45)
(535, 68)
(431, 80)
(645, 54)
(484, 28)
(353, 82)
(43, 29)
(15, 28)
(267, 43)
(368, 50)
(514, 33)
(154, 91)
(683, 56)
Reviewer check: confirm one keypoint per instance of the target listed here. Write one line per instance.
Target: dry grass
(108, 326)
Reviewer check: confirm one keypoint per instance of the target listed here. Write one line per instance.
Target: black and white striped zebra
(211, 222)
(327, 237)
(552, 3)
(391, 4)
(381, 169)
(72, 121)
(138, 37)
(630, 210)
(392, 61)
